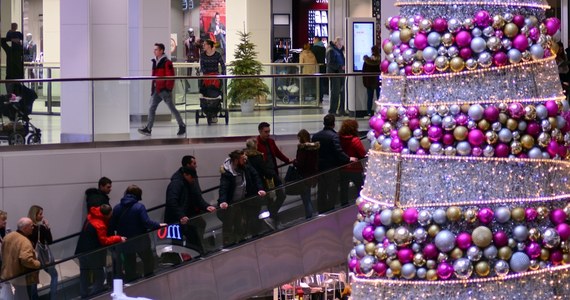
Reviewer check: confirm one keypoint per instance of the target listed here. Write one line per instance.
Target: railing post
(49, 93)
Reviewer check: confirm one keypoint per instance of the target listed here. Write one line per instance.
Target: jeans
(369, 103)
(337, 95)
(53, 282)
(275, 204)
(165, 96)
(307, 203)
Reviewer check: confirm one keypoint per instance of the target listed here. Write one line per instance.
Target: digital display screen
(363, 40)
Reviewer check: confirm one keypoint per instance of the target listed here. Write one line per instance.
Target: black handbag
(292, 176)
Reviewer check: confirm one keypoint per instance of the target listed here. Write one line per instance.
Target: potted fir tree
(245, 91)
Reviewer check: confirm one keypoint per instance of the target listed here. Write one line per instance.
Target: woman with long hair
(353, 172)
(42, 234)
(307, 162)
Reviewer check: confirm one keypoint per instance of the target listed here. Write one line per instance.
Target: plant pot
(247, 106)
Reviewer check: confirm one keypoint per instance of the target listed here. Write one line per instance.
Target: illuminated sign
(169, 232)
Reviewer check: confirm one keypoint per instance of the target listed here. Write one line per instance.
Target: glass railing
(91, 272)
(114, 109)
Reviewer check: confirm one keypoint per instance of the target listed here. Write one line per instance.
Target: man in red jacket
(162, 90)
(267, 146)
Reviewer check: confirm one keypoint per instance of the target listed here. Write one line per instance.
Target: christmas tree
(466, 192)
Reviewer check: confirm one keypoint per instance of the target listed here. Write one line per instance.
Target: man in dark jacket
(130, 220)
(96, 197)
(336, 65)
(14, 56)
(237, 182)
(162, 90)
(320, 50)
(184, 202)
(331, 156)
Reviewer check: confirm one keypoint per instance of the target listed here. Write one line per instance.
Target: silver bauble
(520, 233)
(430, 54)
(450, 151)
(508, 17)
(488, 151)
(439, 216)
(463, 148)
(522, 126)
(521, 246)
(535, 152)
(408, 271)
(520, 262)
(386, 145)
(468, 23)
(360, 250)
(366, 263)
(515, 56)
(435, 149)
(485, 59)
(441, 257)
(488, 31)
(501, 268)
(408, 55)
(494, 43)
(516, 135)
(463, 268)
(478, 44)
(507, 44)
(474, 253)
(452, 51)
(395, 38)
(502, 214)
(541, 112)
(431, 264)
(406, 151)
(436, 120)
(442, 63)
(550, 238)
(442, 110)
(386, 217)
(389, 273)
(454, 109)
(471, 64)
(420, 235)
(546, 126)
(476, 32)
(537, 52)
(421, 273)
(418, 134)
(357, 230)
(431, 110)
(505, 135)
(416, 247)
(560, 122)
(442, 51)
(445, 241)
(392, 250)
(512, 243)
(453, 25)
(448, 123)
(424, 216)
(497, 126)
(393, 68)
(413, 145)
(379, 233)
(490, 252)
(475, 112)
(434, 39)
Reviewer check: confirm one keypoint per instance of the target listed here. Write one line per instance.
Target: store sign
(169, 232)
(322, 1)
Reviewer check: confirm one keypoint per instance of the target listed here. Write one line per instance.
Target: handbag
(291, 176)
(43, 251)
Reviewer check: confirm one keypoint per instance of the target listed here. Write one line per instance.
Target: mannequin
(29, 49)
(191, 54)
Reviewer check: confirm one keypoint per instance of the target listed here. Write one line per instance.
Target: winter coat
(183, 199)
(320, 54)
(162, 67)
(307, 57)
(94, 236)
(335, 59)
(371, 65)
(307, 160)
(352, 146)
(95, 198)
(130, 218)
(14, 59)
(331, 154)
(45, 235)
(228, 182)
(18, 257)
(255, 159)
(262, 147)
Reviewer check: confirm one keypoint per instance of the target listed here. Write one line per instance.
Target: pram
(287, 88)
(211, 102)
(17, 108)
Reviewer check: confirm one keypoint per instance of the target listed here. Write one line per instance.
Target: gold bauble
(503, 118)
(492, 137)
(390, 234)
(465, 108)
(360, 217)
(498, 22)
(406, 35)
(559, 104)
(567, 210)
(554, 48)
(397, 215)
(533, 20)
(565, 246)
(512, 124)
(527, 141)
(392, 113)
(387, 128)
(402, 23)
(433, 230)
(396, 267)
(518, 214)
(402, 236)
(534, 234)
(456, 253)
(425, 143)
(453, 214)
(447, 39)
(388, 48)
(404, 133)
(516, 147)
(419, 55)
(441, 63)
(484, 125)
(381, 253)
(511, 30)
(530, 112)
(553, 122)
(460, 133)
(543, 212)
(457, 64)
(424, 123)
(482, 268)
(482, 236)
(544, 254)
(370, 248)
(505, 253)
(566, 258)
(417, 68)
(377, 147)
(470, 215)
(419, 260)
(423, 110)
(431, 275)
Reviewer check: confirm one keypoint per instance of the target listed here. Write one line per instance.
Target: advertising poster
(363, 36)
(213, 23)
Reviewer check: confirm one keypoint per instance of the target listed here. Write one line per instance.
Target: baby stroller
(17, 108)
(287, 88)
(211, 102)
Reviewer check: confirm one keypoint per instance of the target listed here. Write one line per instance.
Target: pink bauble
(418, 19)
(420, 41)
(448, 139)
(562, 151)
(444, 270)
(563, 230)
(352, 264)
(439, 25)
(383, 113)
(430, 251)
(377, 221)
(408, 70)
(500, 239)
(405, 255)
(410, 215)
(499, 33)
(435, 133)
(556, 257)
(372, 121)
(404, 47)
(552, 108)
(500, 58)
(522, 155)
(414, 123)
(518, 20)
(368, 233)
(552, 25)
(380, 268)
(384, 42)
(533, 129)
(485, 215)
(476, 137)
(502, 150)
(463, 39)
(463, 240)
(516, 110)
(530, 214)
(394, 133)
(412, 112)
(533, 250)
(394, 22)
(482, 18)
(552, 148)
(429, 68)
(558, 216)
(520, 42)
(384, 66)
(466, 53)
(547, 53)
(461, 119)
(396, 145)
(421, 151)
(477, 151)
(534, 34)
(491, 113)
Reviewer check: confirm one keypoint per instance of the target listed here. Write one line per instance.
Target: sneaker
(270, 223)
(144, 131)
(181, 130)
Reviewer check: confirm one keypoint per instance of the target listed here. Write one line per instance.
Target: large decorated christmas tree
(466, 192)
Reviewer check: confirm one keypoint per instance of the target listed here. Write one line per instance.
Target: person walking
(161, 90)
(42, 234)
(336, 65)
